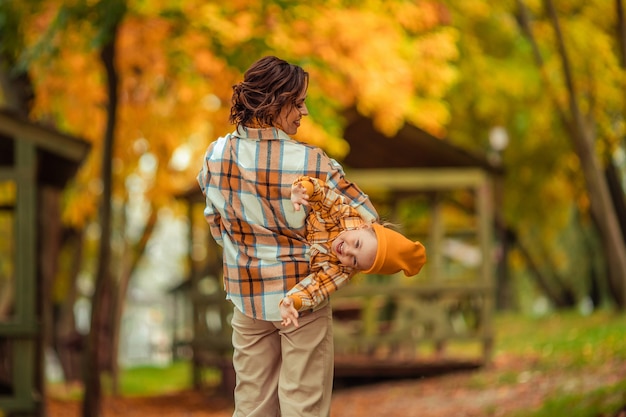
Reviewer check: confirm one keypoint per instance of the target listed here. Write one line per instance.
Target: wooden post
(485, 210)
(28, 362)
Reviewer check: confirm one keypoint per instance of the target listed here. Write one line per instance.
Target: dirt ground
(508, 384)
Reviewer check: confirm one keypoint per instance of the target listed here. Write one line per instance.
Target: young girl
(342, 243)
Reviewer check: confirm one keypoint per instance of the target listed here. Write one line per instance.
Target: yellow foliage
(394, 61)
(430, 115)
(420, 16)
(233, 29)
(377, 67)
(451, 66)
(314, 134)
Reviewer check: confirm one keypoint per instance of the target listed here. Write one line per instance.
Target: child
(342, 244)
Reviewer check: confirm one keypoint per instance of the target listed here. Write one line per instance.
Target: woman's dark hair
(268, 85)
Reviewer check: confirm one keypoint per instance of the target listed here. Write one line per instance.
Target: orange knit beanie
(396, 253)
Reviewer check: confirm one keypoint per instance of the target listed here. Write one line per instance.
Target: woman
(246, 179)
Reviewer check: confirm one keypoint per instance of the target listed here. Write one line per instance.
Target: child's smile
(356, 248)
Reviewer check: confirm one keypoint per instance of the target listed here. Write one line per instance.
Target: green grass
(144, 381)
(567, 342)
(564, 339)
(151, 381)
(599, 403)
(159, 380)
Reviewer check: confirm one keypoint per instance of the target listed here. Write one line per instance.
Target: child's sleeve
(328, 214)
(330, 207)
(317, 287)
(315, 188)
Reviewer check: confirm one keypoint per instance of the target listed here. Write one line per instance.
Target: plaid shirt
(328, 216)
(246, 179)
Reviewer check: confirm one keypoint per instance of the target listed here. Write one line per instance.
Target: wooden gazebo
(382, 324)
(35, 164)
(442, 195)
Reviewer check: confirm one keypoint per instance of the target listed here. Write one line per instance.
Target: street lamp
(498, 141)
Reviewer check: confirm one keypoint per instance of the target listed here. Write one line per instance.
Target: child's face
(356, 248)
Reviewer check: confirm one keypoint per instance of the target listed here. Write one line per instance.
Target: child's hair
(387, 224)
(268, 85)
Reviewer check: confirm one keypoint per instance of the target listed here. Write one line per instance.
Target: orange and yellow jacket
(328, 215)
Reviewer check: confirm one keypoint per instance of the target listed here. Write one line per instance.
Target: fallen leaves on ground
(508, 384)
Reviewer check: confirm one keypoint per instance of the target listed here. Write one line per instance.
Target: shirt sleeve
(318, 286)
(354, 196)
(211, 214)
(329, 212)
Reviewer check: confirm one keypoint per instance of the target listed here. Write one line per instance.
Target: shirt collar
(260, 133)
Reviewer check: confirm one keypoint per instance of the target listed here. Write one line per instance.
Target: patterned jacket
(328, 216)
(246, 179)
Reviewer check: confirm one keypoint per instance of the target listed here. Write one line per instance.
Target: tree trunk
(599, 196)
(49, 248)
(505, 298)
(93, 390)
(617, 195)
(562, 298)
(621, 31)
(595, 291)
(581, 134)
(612, 174)
(129, 264)
(70, 344)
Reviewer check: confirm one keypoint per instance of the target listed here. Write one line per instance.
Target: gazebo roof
(411, 147)
(59, 154)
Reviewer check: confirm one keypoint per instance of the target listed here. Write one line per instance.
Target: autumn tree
(516, 72)
(15, 84)
(456, 70)
(580, 113)
(74, 80)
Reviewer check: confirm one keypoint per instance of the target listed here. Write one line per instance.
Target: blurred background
(532, 92)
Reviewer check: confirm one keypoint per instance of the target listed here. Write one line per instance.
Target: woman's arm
(354, 196)
(212, 215)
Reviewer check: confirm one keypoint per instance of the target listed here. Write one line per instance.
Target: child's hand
(299, 197)
(288, 312)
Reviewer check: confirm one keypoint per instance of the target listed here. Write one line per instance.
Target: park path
(508, 384)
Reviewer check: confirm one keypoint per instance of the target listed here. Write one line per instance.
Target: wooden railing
(413, 322)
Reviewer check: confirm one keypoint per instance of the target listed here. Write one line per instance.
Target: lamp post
(498, 141)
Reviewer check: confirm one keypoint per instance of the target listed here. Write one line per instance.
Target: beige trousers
(282, 371)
